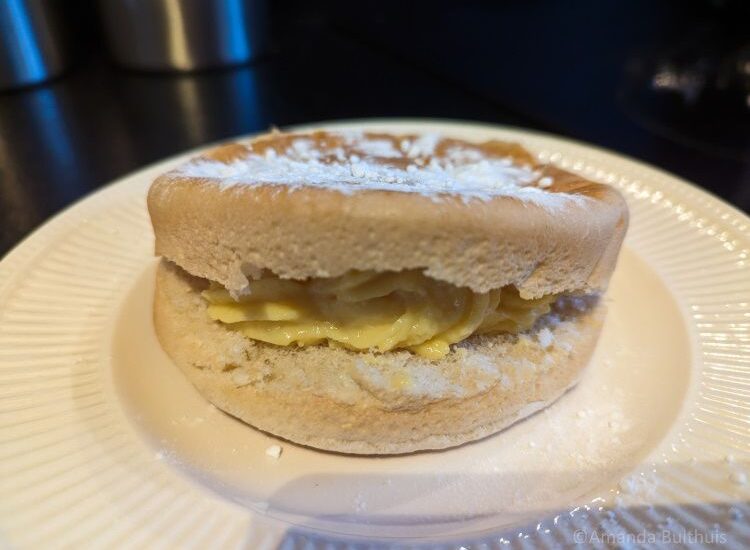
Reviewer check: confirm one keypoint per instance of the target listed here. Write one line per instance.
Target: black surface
(584, 70)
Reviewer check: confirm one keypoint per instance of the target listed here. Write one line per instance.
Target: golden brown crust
(345, 401)
(224, 233)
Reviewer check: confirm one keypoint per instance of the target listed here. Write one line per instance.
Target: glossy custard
(372, 311)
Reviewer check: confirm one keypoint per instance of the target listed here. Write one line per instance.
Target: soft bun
(559, 238)
(324, 204)
(363, 403)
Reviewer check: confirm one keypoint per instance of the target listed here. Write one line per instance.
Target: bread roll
(324, 204)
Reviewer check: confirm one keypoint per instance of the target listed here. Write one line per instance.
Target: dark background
(667, 82)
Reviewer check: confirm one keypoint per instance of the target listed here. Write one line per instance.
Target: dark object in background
(184, 35)
(695, 91)
(32, 42)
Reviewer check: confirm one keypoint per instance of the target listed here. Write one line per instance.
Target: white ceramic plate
(104, 444)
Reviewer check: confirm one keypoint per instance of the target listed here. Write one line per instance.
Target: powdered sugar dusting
(378, 148)
(424, 145)
(359, 162)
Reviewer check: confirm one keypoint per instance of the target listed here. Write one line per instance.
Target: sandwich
(373, 293)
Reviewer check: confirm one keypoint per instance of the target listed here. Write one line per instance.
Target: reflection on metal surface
(190, 110)
(43, 109)
(184, 35)
(31, 42)
(63, 161)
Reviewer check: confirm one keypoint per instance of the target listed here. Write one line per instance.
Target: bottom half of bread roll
(374, 403)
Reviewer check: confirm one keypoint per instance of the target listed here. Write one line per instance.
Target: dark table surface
(661, 81)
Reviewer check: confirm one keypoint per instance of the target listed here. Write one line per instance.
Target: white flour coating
(463, 172)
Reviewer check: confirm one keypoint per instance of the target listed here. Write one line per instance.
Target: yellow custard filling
(372, 311)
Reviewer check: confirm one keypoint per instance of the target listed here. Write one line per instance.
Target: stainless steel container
(184, 35)
(32, 44)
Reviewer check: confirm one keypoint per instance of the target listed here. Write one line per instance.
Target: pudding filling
(368, 310)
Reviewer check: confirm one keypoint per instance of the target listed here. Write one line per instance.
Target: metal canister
(184, 35)
(32, 42)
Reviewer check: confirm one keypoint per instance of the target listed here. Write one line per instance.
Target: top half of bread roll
(478, 215)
